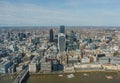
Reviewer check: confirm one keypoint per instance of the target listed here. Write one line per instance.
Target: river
(89, 77)
(7, 78)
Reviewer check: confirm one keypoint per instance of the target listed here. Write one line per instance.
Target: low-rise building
(79, 67)
(110, 67)
(32, 67)
(69, 68)
(85, 60)
(103, 60)
(46, 67)
(4, 66)
(115, 60)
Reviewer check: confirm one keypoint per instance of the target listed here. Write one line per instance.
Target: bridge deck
(21, 76)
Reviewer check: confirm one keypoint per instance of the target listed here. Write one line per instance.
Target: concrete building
(69, 68)
(72, 46)
(46, 67)
(118, 66)
(12, 69)
(79, 67)
(103, 60)
(19, 68)
(32, 67)
(73, 59)
(4, 66)
(85, 60)
(110, 67)
(115, 60)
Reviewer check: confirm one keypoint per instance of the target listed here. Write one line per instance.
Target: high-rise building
(62, 29)
(21, 36)
(10, 35)
(51, 35)
(78, 36)
(72, 36)
(61, 42)
(36, 40)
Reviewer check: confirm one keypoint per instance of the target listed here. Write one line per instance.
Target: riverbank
(80, 71)
(62, 72)
(10, 74)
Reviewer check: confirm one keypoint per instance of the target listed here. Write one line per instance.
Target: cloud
(32, 14)
(26, 14)
(93, 3)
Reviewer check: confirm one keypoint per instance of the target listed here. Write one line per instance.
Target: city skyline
(59, 12)
(63, 54)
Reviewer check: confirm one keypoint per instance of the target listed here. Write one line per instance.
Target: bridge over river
(21, 76)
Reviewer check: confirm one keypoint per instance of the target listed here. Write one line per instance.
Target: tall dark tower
(62, 29)
(51, 35)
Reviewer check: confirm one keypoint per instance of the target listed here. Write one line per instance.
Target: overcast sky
(59, 12)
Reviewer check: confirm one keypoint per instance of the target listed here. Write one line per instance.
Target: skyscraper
(61, 42)
(21, 36)
(51, 35)
(72, 36)
(78, 36)
(62, 29)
